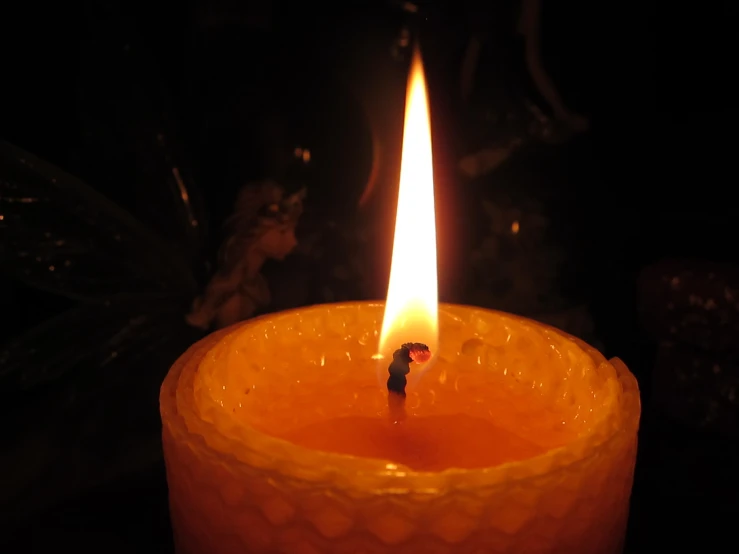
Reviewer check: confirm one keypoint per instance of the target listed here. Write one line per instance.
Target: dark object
(692, 301)
(697, 388)
(690, 309)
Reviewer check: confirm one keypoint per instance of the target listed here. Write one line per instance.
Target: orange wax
(277, 439)
(431, 443)
(455, 415)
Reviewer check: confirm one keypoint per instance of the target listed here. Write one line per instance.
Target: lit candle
(279, 437)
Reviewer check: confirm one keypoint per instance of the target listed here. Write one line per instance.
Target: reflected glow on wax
(411, 310)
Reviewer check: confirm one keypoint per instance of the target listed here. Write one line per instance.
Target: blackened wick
(401, 365)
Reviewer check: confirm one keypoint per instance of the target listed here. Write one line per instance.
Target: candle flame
(411, 310)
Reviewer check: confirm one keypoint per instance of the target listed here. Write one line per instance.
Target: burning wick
(399, 368)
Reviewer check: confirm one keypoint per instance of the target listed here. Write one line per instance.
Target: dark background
(235, 85)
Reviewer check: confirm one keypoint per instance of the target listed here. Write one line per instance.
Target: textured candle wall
(234, 488)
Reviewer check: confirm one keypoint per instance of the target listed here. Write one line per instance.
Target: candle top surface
(425, 443)
(288, 388)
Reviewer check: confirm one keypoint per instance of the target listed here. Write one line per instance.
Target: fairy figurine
(261, 227)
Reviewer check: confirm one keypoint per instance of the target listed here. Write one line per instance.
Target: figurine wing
(131, 120)
(99, 418)
(60, 235)
(96, 336)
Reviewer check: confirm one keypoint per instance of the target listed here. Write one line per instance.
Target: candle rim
(344, 469)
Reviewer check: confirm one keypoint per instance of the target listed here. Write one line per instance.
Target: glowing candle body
(562, 418)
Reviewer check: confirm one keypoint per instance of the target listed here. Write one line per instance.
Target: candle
(286, 434)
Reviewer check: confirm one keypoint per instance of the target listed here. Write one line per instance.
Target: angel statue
(262, 227)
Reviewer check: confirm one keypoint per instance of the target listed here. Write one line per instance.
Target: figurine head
(277, 242)
(265, 218)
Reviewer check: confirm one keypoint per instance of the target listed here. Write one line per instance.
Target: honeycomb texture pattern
(234, 489)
